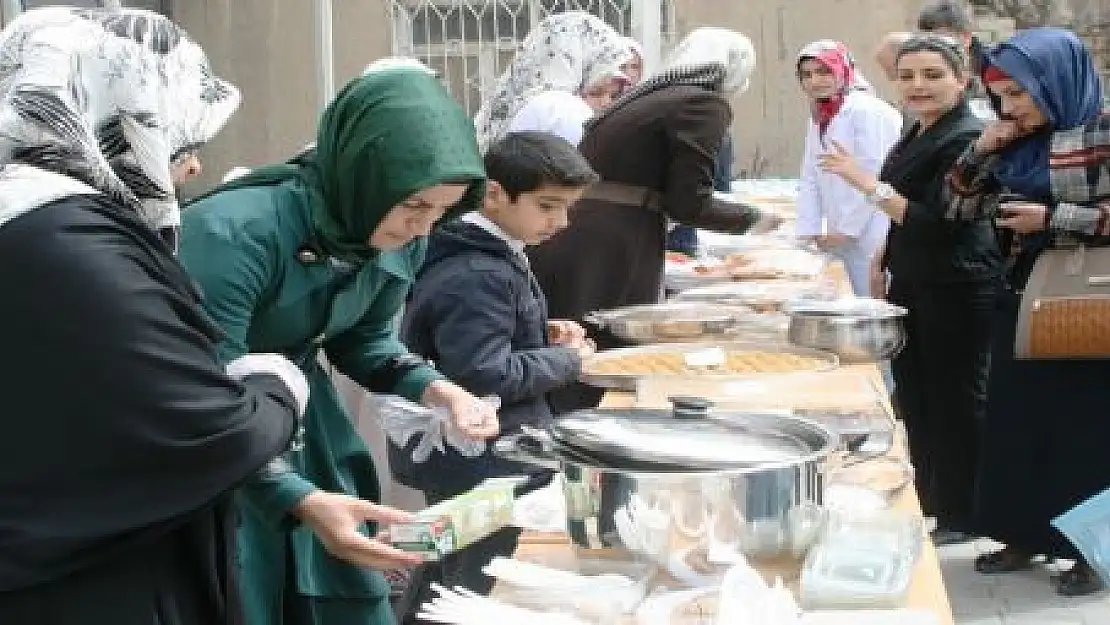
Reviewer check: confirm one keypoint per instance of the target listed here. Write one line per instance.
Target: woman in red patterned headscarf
(844, 111)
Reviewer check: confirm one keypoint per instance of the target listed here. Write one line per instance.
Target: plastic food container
(862, 561)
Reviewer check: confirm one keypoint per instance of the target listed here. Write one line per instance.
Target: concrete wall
(266, 47)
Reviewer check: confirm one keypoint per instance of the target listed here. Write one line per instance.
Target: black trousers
(941, 390)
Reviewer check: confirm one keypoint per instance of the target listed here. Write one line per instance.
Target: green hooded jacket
(282, 261)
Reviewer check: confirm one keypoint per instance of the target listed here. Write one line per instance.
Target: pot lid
(692, 436)
(673, 311)
(845, 307)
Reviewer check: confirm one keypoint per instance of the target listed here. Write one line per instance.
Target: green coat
(276, 256)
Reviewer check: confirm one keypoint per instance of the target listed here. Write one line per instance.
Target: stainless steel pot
(650, 483)
(855, 329)
(669, 322)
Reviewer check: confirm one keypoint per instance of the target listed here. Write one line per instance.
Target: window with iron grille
(469, 42)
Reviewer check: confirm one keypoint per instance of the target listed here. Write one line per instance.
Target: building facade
(267, 48)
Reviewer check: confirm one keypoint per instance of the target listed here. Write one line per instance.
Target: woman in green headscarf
(318, 255)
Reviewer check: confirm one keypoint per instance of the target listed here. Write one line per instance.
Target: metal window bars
(469, 42)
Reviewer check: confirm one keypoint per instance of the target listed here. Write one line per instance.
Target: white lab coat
(867, 127)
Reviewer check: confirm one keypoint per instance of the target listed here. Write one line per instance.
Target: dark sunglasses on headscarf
(950, 47)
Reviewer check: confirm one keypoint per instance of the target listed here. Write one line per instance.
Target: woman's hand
(1023, 217)
(473, 417)
(838, 161)
(996, 136)
(335, 518)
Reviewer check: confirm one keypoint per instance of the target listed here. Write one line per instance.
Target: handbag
(1065, 308)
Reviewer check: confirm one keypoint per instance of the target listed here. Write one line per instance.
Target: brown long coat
(612, 254)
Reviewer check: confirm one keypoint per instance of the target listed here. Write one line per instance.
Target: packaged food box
(456, 523)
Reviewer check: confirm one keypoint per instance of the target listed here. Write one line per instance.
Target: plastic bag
(1087, 526)
(542, 510)
(746, 598)
(402, 420)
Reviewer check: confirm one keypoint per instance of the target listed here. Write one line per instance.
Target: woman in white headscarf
(655, 149)
(124, 435)
(633, 68)
(568, 67)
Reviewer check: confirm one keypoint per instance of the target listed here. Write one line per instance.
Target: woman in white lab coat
(845, 112)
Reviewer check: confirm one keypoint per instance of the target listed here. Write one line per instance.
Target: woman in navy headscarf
(1045, 429)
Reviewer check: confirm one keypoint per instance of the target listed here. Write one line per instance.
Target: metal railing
(469, 42)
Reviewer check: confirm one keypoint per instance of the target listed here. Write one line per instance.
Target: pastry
(674, 363)
(679, 329)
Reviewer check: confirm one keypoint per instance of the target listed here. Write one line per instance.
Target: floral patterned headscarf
(564, 52)
(102, 101)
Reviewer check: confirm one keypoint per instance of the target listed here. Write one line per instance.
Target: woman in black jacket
(944, 267)
(124, 436)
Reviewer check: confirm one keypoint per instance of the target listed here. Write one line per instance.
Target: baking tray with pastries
(755, 264)
(621, 368)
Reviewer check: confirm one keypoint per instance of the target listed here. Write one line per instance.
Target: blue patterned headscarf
(1057, 71)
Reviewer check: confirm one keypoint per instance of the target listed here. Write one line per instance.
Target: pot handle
(531, 446)
(596, 319)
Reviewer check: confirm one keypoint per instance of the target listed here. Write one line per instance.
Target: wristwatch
(883, 192)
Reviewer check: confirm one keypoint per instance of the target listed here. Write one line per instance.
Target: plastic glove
(277, 365)
(402, 420)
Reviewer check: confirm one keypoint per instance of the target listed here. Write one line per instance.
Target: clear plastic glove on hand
(402, 420)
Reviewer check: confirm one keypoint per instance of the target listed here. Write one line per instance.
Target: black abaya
(1044, 446)
(123, 435)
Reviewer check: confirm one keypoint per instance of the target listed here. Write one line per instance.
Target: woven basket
(1069, 327)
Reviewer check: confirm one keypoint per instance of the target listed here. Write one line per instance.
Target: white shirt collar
(478, 219)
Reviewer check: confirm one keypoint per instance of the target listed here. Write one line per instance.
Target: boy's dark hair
(951, 16)
(522, 162)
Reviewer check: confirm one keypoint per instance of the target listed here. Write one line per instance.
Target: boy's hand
(586, 348)
(565, 332)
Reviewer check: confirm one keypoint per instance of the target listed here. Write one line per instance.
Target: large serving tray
(627, 382)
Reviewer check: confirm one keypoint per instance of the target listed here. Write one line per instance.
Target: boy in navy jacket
(477, 312)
